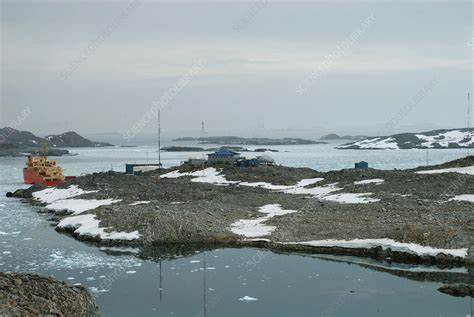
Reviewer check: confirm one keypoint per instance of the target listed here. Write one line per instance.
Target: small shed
(361, 164)
(223, 156)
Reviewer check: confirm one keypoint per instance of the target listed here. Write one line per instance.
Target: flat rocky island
(23, 294)
(417, 215)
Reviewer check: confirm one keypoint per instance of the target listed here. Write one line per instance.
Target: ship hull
(31, 177)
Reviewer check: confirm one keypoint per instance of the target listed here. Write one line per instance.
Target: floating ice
(247, 299)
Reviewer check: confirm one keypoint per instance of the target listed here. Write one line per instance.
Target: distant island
(333, 136)
(233, 140)
(200, 149)
(435, 139)
(20, 143)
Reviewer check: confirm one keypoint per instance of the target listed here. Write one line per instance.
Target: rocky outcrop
(24, 294)
(458, 290)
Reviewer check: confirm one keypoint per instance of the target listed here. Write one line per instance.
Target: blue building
(223, 156)
(361, 164)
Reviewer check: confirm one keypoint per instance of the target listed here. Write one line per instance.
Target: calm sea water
(186, 282)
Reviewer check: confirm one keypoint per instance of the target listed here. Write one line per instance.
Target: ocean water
(216, 282)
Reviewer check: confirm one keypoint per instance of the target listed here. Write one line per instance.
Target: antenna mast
(468, 118)
(159, 138)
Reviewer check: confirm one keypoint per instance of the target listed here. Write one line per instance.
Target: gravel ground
(412, 208)
(32, 295)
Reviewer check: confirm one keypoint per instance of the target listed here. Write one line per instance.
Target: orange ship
(41, 170)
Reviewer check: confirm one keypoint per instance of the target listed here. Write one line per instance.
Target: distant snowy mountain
(436, 139)
(27, 139)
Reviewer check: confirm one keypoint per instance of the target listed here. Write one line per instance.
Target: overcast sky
(256, 68)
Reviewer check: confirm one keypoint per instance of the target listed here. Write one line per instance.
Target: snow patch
(351, 198)
(369, 181)
(385, 244)
(142, 202)
(88, 225)
(463, 170)
(78, 206)
(209, 175)
(466, 197)
(252, 228)
(52, 194)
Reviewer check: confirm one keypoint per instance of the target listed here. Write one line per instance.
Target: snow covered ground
(443, 139)
(51, 194)
(78, 206)
(463, 170)
(431, 139)
(385, 244)
(252, 228)
(374, 143)
(213, 176)
(88, 225)
(369, 181)
(351, 198)
(466, 197)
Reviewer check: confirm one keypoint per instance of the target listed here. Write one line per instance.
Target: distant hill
(27, 139)
(233, 140)
(435, 139)
(333, 136)
(72, 139)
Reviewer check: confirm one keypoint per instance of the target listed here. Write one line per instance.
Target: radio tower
(159, 138)
(468, 119)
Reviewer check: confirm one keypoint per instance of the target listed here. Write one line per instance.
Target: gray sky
(98, 66)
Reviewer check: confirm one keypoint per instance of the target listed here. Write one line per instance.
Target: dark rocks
(458, 290)
(24, 294)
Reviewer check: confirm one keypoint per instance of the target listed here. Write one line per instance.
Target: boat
(41, 170)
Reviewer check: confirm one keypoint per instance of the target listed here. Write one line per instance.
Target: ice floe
(254, 227)
(247, 299)
(385, 244)
(369, 181)
(466, 197)
(88, 225)
(78, 206)
(52, 194)
(463, 170)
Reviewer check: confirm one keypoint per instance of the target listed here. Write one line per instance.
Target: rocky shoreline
(412, 216)
(25, 294)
